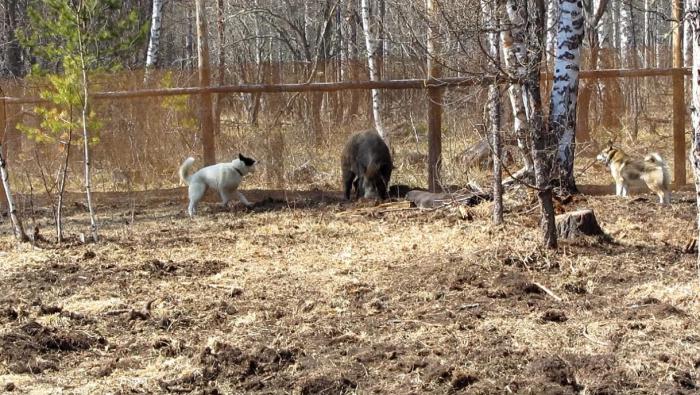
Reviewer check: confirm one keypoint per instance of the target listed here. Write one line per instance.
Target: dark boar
(366, 165)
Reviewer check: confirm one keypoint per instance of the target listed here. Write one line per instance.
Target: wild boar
(366, 164)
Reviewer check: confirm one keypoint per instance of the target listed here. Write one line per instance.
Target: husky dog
(624, 169)
(223, 177)
(366, 164)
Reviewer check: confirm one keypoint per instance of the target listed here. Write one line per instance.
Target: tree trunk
(63, 172)
(189, 43)
(611, 100)
(373, 70)
(687, 37)
(488, 11)
(543, 139)
(13, 52)
(17, 226)
(207, 126)
(353, 61)
(154, 41)
(574, 224)
(693, 17)
(434, 100)
(85, 114)
(627, 42)
(562, 113)
(220, 29)
(552, 23)
(515, 59)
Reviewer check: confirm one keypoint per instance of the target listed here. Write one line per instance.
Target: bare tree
(488, 10)
(515, 58)
(692, 16)
(373, 69)
(14, 217)
(154, 40)
(562, 113)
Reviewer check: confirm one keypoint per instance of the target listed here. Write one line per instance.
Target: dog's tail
(656, 159)
(185, 170)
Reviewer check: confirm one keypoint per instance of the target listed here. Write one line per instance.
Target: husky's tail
(185, 170)
(656, 159)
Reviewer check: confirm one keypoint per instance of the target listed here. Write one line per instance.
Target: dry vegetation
(308, 294)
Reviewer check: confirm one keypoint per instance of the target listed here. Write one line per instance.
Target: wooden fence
(432, 85)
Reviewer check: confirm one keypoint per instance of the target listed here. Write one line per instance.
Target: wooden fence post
(207, 123)
(434, 102)
(679, 154)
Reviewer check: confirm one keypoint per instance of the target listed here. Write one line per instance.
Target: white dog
(223, 177)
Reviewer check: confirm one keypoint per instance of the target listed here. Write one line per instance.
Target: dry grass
(313, 295)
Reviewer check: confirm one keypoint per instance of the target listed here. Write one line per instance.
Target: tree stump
(577, 223)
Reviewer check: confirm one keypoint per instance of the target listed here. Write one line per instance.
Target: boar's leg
(348, 181)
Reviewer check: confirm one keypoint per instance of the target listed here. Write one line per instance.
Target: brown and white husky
(652, 170)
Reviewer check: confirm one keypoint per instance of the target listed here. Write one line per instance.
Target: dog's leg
(196, 192)
(243, 200)
(618, 188)
(225, 198)
(665, 197)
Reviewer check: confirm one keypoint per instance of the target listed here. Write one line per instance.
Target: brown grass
(312, 295)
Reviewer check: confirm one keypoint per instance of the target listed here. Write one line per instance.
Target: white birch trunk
(562, 115)
(552, 21)
(373, 71)
(16, 221)
(627, 50)
(515, 59)
(693, 18)
(648, 39)
(154, 41)
(488, 10)
(687, 36)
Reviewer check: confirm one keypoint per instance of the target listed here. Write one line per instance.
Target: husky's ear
(610, 143)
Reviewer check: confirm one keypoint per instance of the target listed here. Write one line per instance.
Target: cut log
(465, 197)
(480, 155)
(577, 223)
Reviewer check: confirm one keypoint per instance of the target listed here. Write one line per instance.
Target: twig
(547, 291)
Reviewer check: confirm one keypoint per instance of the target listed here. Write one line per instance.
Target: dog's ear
(610, 143)
(247, 161)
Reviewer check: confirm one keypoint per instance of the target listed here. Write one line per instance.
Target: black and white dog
(223, 177)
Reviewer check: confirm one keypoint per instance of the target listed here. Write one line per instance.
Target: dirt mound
(225, 361)
(190, 267)
(652, 308)
(24, 349)
(327, 385)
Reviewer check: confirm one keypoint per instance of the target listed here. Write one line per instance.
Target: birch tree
(154, 40)
(692, 17)
(373, 68)
(562, 113)
(514, 14)
(17, 226)
(542, 139)
(488, 10)
(552, 23)
(687, 35)
(628, 48)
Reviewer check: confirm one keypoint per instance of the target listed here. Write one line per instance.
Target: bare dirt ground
(308, 294)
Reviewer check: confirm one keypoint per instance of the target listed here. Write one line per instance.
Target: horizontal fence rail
(447, 82)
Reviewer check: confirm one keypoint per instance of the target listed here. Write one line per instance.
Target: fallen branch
(547, 291)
